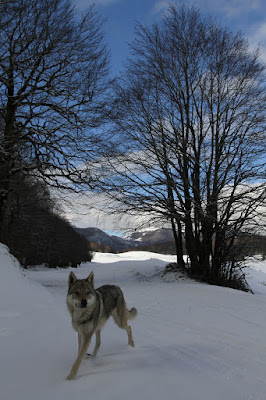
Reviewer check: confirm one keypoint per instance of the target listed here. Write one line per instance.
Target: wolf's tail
(132, 313)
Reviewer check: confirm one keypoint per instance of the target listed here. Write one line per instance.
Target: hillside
(149, 239)
(153, 236)
(101, 241)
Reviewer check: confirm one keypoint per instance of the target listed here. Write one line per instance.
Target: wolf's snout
(83, 303)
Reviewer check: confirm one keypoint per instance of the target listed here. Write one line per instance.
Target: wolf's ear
(71, 279)
(90, 279)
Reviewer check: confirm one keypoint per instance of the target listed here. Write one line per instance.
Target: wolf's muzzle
(83, 303)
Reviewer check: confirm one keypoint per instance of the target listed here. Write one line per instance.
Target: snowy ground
(193, 341)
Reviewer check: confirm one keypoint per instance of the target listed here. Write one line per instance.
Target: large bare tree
(190, 110)
(53, 80)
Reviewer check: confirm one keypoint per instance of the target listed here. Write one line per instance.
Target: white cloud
(83, 4)
(257, 37)
(260, 33)
(105, 2)
(96, 210)
(234, 8)
(160, 6)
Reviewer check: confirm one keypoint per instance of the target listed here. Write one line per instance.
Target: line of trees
(39, 234)
(186, 123)
(53, 82)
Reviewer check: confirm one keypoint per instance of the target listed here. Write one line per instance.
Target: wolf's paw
(70, 376)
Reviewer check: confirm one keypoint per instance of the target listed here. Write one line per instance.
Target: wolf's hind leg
(87, 355)
(121, 321)
(129, 334)
(97, 343)
(79, 341)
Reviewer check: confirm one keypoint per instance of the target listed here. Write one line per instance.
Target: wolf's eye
(89, 295)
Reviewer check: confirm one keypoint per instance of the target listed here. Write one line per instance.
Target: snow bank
(15, 288)
(31, 329)
(132, 255)
(256, 274)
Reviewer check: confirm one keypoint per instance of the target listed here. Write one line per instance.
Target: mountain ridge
(119, 244)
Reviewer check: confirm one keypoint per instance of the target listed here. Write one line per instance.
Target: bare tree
(53, 80)
(191, 116)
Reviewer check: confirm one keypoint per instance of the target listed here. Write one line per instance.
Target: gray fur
(90, 309)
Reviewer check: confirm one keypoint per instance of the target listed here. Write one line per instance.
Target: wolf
(90, 308)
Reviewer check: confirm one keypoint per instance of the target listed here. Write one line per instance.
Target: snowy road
(193, 341)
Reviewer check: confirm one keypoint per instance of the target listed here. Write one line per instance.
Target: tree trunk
(191, 248)
(178, 243)
(6, 212)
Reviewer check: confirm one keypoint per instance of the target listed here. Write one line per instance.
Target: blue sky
(249, 16)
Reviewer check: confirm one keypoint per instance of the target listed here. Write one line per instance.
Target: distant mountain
(153, 236)
(99, 237)
(160, 241)
(101, 241)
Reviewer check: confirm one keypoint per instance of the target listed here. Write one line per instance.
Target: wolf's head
(81, 292)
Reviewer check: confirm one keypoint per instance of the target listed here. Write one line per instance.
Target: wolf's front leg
(84, 344)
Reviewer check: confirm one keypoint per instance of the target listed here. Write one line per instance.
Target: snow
(193, 341)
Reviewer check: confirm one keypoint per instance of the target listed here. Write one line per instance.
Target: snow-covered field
(193, 341)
